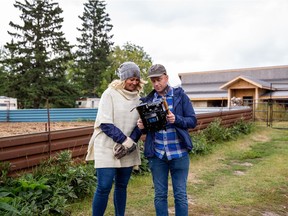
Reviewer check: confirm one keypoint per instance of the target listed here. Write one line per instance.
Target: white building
(7, 103)
(87, 102)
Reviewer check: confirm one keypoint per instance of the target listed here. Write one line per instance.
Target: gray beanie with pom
(128, 70)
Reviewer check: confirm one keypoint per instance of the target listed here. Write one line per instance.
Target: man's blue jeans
(105, 179)
(178, 169)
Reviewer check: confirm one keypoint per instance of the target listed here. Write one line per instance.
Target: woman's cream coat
(114, 108)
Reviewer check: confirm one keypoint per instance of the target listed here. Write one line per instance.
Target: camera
(153, 115)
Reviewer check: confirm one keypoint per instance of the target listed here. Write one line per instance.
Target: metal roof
(207, 84)
(252, 80)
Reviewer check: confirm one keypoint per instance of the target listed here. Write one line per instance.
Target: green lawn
(248, 176)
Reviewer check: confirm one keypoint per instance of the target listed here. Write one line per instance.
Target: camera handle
(166, 105)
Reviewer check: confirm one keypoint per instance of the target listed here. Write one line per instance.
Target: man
(168, 150)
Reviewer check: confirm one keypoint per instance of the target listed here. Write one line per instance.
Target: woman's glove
(129, 145)
(120, 150)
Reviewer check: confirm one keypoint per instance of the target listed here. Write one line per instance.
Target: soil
(20, 128)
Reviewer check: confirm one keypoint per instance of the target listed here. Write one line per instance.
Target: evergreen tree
(37, 56)
(94, 47)
(3, 76)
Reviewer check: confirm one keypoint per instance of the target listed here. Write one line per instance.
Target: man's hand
(170, 117)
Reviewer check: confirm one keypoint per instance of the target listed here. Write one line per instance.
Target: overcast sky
(187, 35)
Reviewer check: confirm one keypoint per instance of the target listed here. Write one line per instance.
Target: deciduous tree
(128, 52)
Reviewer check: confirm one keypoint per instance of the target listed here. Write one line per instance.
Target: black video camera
(153, 115)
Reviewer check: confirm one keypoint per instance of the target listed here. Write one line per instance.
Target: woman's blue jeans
(105, 179)
(178, 169)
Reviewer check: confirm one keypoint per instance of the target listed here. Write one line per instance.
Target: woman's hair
(120, 84)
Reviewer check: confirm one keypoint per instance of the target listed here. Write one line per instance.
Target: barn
(222, 88)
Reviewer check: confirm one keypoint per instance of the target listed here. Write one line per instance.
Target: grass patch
(248, 180)
(248, 176)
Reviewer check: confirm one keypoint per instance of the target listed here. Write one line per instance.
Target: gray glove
(120, 150)
(129, 145)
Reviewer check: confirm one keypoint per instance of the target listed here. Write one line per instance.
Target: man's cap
(128, 70)
(156, 70)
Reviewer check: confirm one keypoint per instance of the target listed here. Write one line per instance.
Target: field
(20, 128)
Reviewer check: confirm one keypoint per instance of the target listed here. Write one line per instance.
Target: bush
(49, 188)
(200, 145)
(144, 167)
(204, 140)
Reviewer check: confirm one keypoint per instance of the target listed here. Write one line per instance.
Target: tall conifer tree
(37, 56)
(94, 46)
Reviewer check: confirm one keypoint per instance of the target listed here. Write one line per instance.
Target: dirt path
(19, 128)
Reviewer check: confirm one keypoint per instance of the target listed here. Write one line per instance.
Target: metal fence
(75, 114)
(272, 113)
(43, 115)
(24, 152)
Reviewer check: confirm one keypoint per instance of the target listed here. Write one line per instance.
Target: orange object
(166, 105)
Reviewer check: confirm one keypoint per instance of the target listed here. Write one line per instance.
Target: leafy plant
(4, 167)
(200, 145)
(5, 202)
(204, 140)
(144, 167)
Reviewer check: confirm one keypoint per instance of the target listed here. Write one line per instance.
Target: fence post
(49, 130)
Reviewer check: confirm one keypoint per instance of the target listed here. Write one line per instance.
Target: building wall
(8, 103)
(240, 93)
(199, 103)
(88, 103)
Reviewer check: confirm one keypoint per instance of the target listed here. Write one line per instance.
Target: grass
(248, 176)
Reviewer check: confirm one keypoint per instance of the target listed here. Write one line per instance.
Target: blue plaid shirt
(167, 141)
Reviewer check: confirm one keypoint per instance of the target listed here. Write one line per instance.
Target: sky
(186, 35)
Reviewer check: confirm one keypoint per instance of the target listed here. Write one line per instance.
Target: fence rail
(24, 152)
(74, 114)
(41, 115)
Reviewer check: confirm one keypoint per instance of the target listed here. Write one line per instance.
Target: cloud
(191, 35)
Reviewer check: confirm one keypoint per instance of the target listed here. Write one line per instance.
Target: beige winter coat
(115, 108)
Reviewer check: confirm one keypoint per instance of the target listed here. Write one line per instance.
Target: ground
(19, 128)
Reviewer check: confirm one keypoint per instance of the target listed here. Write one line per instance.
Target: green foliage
(215, 133)
(94, 47)
(200, 145)
(144, 167)
(50, 188)
(5, 200)
(4, 168)
(35, 59)
(3, 75)
(242, 127)
(128, 52)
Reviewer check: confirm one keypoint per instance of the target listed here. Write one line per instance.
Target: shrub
(200, 145)
(49, 188)
(204, 140)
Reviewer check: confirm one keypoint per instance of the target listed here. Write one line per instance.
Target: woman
(115, 125)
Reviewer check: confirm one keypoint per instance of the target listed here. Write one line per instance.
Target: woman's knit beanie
(128, 70)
